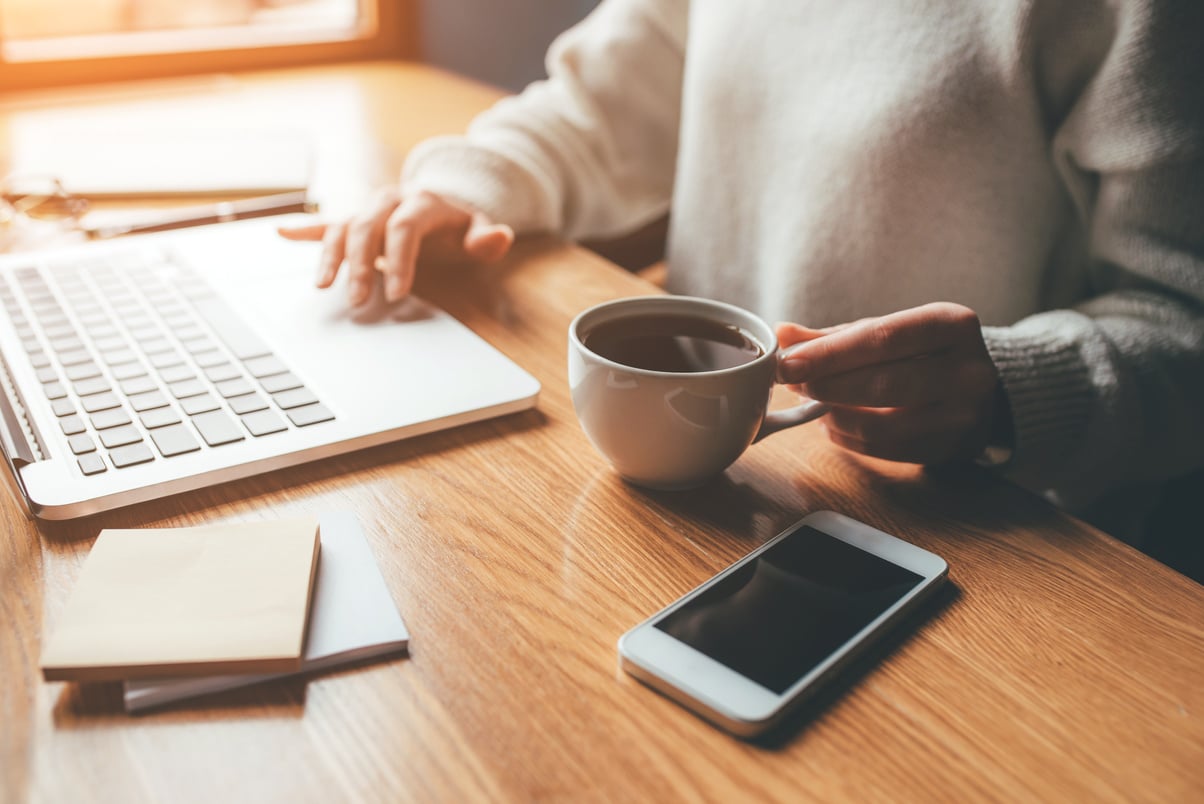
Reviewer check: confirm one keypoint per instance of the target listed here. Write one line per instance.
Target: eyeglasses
(33, 206)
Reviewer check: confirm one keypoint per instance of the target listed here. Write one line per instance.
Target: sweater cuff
(1049, 390)
(481, 180)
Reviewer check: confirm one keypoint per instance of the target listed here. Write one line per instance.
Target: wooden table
(1063, 665)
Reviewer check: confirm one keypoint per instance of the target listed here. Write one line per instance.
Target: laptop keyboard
(142, 361)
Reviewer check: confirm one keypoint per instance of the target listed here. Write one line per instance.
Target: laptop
(142, 367)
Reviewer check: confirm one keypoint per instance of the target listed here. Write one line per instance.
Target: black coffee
(668, 342)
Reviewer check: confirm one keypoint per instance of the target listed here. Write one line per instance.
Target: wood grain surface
(1060, 665)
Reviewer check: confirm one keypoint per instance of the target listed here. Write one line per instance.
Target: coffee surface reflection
(672, 342)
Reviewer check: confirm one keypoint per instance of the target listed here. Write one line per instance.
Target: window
(48, 42)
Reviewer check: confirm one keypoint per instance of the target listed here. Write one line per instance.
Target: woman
(984, 215)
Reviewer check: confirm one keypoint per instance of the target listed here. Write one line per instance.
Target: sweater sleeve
(590, 151)
(1110, 393)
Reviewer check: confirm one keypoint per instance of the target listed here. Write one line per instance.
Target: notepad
(185, 601)
(353, 618)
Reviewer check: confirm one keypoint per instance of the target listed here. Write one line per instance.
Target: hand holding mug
(917, 385)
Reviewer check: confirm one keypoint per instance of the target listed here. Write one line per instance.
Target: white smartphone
(753, 642)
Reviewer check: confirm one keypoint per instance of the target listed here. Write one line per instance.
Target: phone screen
(779, 616)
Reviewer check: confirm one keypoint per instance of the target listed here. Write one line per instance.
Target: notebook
(156, 364)
(183, 601)
(353, 618)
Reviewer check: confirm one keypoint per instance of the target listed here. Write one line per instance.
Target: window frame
(386, 31)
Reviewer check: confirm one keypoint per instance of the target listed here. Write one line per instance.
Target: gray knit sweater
(1041, 162)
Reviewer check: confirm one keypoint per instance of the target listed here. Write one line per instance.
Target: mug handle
(776, 420)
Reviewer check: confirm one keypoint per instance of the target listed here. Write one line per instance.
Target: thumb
(790, 334)
(314, 231)
(485, 240)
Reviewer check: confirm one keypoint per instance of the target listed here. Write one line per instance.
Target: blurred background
(498, 41)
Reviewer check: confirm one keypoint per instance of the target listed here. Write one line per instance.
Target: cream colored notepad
(188, 601)
(352, 618)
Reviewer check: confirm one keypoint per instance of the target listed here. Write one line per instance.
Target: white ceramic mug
(676, 429)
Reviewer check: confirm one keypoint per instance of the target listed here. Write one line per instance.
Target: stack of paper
(220, 599)
(354, 618)
(183, 612)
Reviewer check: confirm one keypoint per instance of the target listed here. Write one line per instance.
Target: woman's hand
(387, 237)
(916, 386)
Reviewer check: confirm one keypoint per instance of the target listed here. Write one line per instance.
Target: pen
(211, 213)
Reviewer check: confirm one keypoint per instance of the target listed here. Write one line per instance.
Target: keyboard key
(120, 436)
(190, 332)
(92, 464)
(147, 401)
(129, 310)
(145, 332)
(175, 439)
(68, 344)
(247, 403)
(263, 422)
(102, 401)
(63, 407)
(73, 356)
(138, 385)
(127, 370)
(198, 346)
(294, 398)
(115, 357)
(82, 371)
(208, 359)
(159, 417)
(81, 444)
(131, 455)
(217, 428)
(154, 346)
(113, 417)
(222, 372)
(47, 374)
(230, 328)
(200, 404)
(265, 366)
(176, 373)
(39, 359)
(72, 425)
(310, 414)
(165, 359)
(186, 388)
(110, 343)
(98, 331)
(92, 385)
(235, 387)
(280, 382)
(54, 390)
